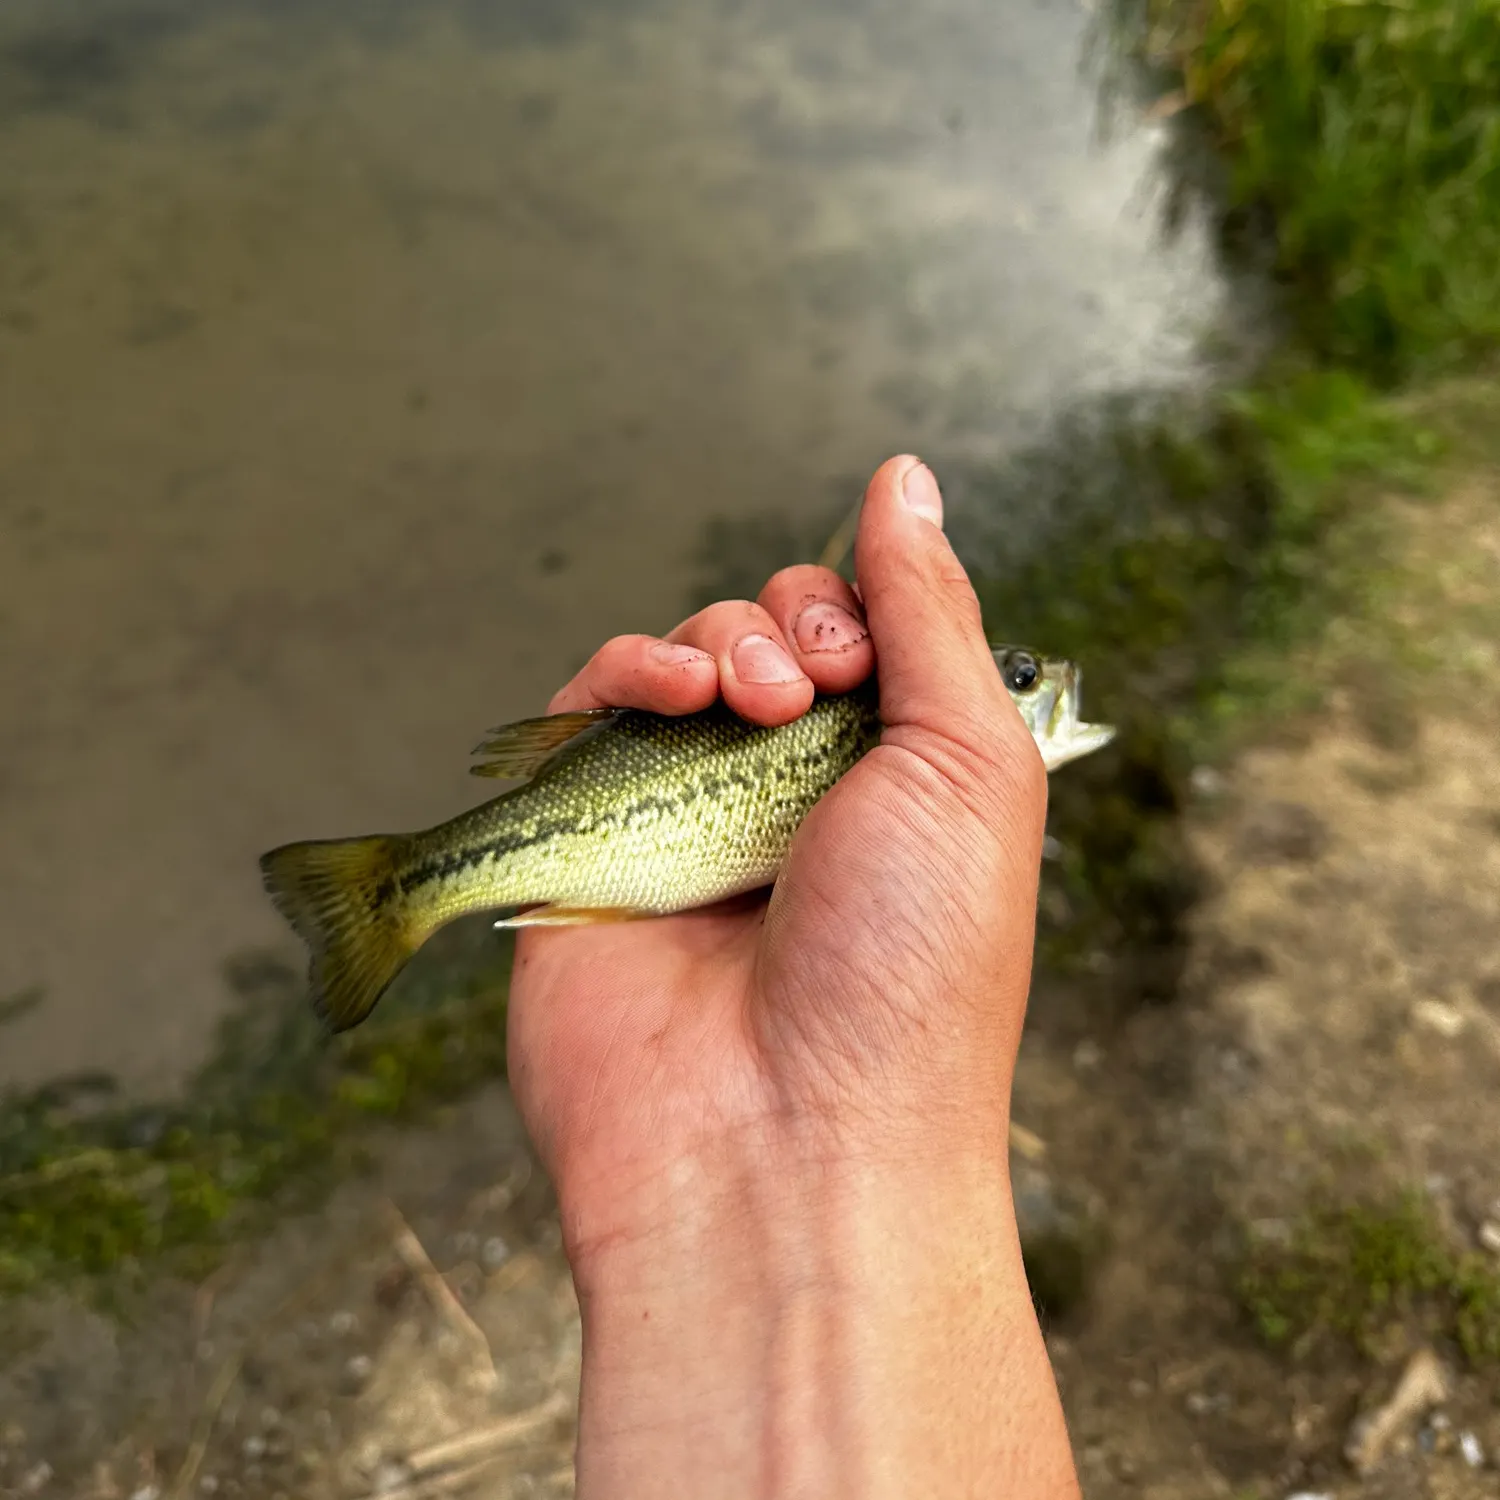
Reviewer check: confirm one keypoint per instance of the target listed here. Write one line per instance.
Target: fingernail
(672, 655)
(757, 658)
(919, 488)
(827, 627)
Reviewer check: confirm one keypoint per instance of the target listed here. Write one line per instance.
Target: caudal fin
(342, 899)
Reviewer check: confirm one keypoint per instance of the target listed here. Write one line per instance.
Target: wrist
(787, 1326)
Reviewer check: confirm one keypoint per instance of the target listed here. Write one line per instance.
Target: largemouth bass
(622, 814)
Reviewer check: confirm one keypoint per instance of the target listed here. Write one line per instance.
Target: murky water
(364, 365)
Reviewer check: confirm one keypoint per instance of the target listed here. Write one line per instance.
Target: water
(364, 365)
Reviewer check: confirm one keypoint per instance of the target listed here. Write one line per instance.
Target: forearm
(865, 1332)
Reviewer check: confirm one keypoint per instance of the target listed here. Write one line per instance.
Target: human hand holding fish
(778, 1128)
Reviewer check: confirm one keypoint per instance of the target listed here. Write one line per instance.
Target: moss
(1360, 1271)
(275, 1116)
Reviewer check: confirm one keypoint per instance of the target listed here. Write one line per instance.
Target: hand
(756, 1116)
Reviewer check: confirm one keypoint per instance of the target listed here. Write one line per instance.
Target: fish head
(1046, 691)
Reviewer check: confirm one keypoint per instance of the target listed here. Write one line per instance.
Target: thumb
(941, 694)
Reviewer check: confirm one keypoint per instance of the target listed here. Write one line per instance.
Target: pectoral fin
(523, 748)
(572, 916)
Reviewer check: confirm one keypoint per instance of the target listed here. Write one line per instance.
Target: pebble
(342, 1324)
(1310, 1495)
(254, 1447)
(1051, 848)
(209, 1484)
(389, 1475)
(147, 1492)
(1447, 1020)
(1087, 1054)
(36, 1478)
(357, 1372)
(495, 1253)
(1206, 781)
(1201, 1404)
(1473, 1452)
(1489, 1236)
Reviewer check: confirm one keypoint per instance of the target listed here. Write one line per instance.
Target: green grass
(1356, 1272)
(1366, 133)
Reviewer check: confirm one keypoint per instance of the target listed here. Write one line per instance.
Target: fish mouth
(1068, 738)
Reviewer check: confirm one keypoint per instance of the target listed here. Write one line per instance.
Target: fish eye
(1020, 671)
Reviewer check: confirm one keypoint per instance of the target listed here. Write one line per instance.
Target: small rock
(1489, 1236)
(36, 1478)
(1437, 1015)
(147, 1492)
(342, 1324)
(368, 1456)
(254, 1447)
(357, 1371)
(209, 1484)
(1440, 1421)
(389, 1475)
(1139, 1388)
(494, 1254)
(1051, 848)
(1473, 1452)
(1201, 1404)
(1310, 1495)
(1087, 1054)
(1206, 781)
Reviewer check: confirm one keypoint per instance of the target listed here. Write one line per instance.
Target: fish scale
(653, 816)
(622, 814)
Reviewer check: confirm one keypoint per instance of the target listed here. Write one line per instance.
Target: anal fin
(551, 915)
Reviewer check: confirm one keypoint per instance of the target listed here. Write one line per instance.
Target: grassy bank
(1363, 138)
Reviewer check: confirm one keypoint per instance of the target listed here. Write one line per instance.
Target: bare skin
(778, 1130)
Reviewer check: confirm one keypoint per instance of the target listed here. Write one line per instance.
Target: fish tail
(343, 898)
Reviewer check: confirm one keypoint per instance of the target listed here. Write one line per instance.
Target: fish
(621, 815)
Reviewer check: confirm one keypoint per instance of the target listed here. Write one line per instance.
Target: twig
(228, 1372)
(439, 1484)
(409, 1248)
(842, 539)
(490, 1439)
(204, 1428)
(1027, 1143)
(205, 1296)
(500, 1196)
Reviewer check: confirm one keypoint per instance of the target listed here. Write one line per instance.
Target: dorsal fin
(523, 748)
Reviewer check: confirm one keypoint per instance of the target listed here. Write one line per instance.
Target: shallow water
(364, 365)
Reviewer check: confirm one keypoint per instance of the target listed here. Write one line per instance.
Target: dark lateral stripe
(542, 829)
